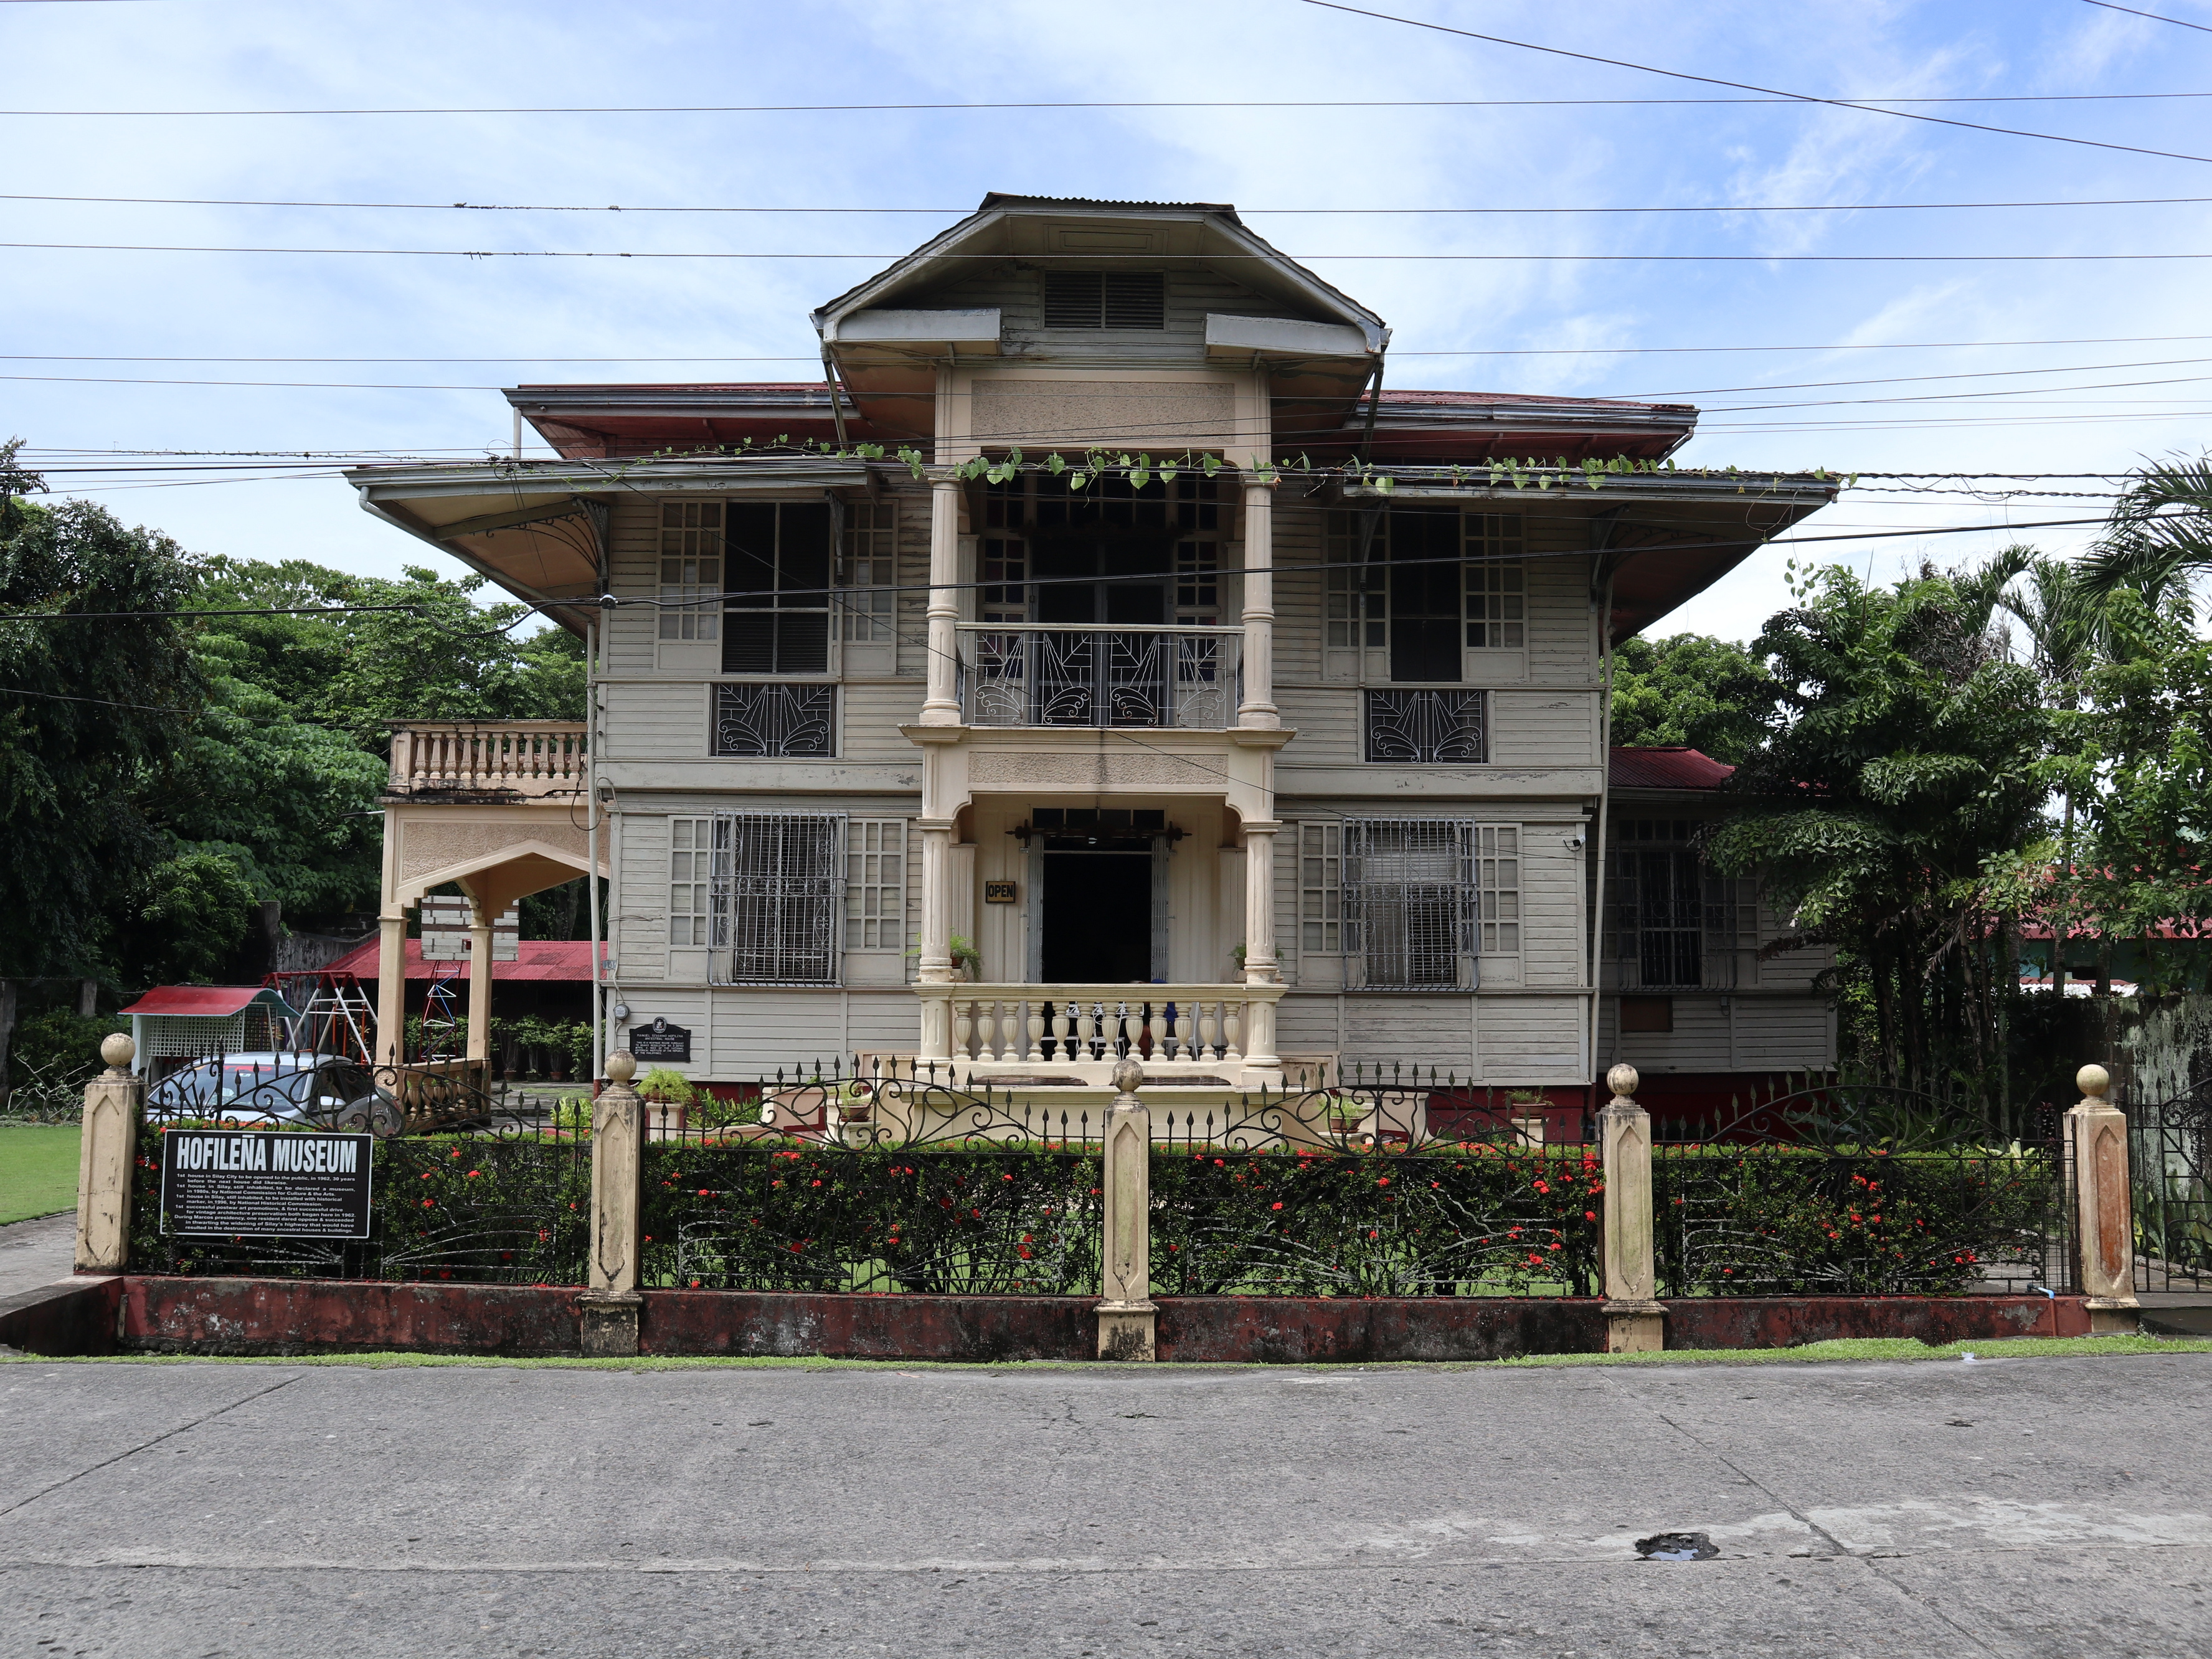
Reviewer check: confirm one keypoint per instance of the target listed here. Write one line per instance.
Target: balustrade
(525, 757)
(1071, 1025)
(1101, 676)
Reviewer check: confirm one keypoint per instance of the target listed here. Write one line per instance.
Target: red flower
(1278, 1205)
(1590, 1215)
(428, 1202)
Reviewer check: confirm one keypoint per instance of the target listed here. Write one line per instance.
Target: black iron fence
(464, 1184)
(2170, 1159)
(1858, 1190)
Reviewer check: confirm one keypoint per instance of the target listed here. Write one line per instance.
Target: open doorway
(1096, 924)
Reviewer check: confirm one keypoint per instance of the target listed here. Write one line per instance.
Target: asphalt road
(2045, 1507)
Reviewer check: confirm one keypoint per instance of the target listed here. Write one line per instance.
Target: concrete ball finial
(1622, 1081)
(2093, 1081)
(119, 1051)
(1129, 1072)
(621, 1066)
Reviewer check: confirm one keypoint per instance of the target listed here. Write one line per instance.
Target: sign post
(259, 1183)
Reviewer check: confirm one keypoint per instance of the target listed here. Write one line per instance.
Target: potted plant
(670, 1095)
(967, 960)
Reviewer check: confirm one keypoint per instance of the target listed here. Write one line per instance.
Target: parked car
(254, 1091)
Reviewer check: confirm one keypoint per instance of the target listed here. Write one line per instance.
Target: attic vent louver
(1105, 299)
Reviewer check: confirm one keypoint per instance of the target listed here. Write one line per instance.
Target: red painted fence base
(293, 1315)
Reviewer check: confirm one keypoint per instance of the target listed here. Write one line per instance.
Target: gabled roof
(1011, 228)
(208, 1001)
(1677, 767)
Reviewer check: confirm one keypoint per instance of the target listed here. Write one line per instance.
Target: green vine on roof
(1142, 468)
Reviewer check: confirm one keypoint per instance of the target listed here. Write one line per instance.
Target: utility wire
(1092, 259)
(1395, 212)
(2155, 17)
(1742, 86)
(1524, 351)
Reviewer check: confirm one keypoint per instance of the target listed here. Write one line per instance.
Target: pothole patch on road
(1677, 1547)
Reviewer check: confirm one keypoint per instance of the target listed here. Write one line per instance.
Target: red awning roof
(208, 1002)
(1678, 768)
(537, 960)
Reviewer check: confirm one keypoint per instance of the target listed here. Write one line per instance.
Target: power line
(2156, 17)
(1526, 351)
(1400, 212)
(105, 702)
(1742, 86)
(1091, 260)
(1779, 98)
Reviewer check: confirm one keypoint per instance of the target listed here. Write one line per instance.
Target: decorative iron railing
(1857, 1190)
(2170, 1165)
(464, 1184)
(1426, 727)
(1101, 676)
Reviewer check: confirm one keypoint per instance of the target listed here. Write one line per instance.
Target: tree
(1900, 778)
(1689, 688)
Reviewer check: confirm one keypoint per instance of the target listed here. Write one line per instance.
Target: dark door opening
(1096, 922)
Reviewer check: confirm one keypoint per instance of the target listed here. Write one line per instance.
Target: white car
(260, 1091)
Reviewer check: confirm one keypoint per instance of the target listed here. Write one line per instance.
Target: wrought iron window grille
(779, 898)
(1412, 902)
(768, 722)
(1672, 922)
(1426, 728)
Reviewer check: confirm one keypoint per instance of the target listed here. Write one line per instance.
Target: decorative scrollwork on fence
(2170, 1164)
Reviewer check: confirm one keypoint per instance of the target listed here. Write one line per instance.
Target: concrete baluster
(1126, 1313)
(1635, 1319)
(2097, 1147)
(105, 1155)
(610, 1303)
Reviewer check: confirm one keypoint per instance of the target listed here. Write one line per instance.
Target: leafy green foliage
(1689, 688)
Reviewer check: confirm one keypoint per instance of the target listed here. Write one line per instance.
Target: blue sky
(2079, 410)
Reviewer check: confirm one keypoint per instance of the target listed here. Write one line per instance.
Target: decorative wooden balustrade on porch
(1079, 1032)
(505, 758)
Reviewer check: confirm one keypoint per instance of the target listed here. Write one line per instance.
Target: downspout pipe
(592, 636)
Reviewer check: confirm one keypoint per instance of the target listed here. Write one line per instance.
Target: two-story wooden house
(1275, 737)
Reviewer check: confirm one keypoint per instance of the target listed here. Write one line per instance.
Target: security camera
(1577, 840)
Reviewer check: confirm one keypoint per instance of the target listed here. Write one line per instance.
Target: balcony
(510, 759)
(1072, 1035)
(1101, 676)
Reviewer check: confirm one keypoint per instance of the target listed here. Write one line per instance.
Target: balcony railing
(513, 757)
(1056, 1026)
(1101, 675)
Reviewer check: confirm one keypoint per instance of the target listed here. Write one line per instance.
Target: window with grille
(777, 565)
(1427, 728)
(690, 850)
(1659, 902)
(875, 884)
(759, 721)
(866, 571)
(691, 569)
(1496, 594)
(1105, 299)
(1412, 900)
(779, 880)
(1321, 889)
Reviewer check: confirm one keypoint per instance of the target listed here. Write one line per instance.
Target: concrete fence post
(2097, 1147)
(1126, 1312)
(1635, 1319)
(112, 1102)
(610, 1304)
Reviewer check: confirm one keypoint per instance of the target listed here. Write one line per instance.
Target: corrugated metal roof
(208, 1001)
(563, 960)
(1666, 768)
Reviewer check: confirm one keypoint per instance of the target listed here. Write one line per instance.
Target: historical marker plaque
(266, 1183)
(661, 1042)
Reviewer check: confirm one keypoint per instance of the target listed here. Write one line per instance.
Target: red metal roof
(1675, 767)
(206, 1001)
(537, 960)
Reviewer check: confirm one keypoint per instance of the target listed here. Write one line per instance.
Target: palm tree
(2159, 535)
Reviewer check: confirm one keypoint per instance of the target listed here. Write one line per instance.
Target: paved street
(2045, 1507)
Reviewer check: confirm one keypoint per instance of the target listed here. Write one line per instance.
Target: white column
(1260, 966)
(942, 706)
(1258, 708)
(936, 964)
(392, 991)
(481, 917)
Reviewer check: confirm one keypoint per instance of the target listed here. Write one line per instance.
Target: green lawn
(38, 1169)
